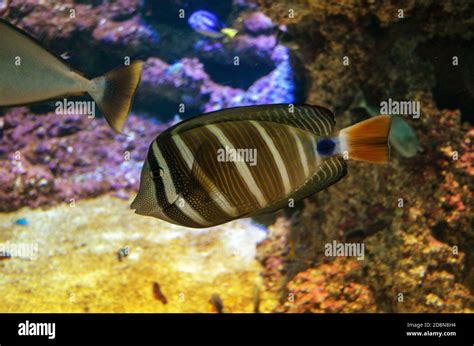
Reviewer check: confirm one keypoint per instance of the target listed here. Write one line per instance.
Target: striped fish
(200, 173)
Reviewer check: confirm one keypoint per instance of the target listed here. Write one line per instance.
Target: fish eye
(156, 174)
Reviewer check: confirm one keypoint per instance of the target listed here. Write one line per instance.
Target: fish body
(256, 299)
(4, 6)
(122, 253)
(403, 138)
(29, 73)
(158, 294)
(5, 256)
(207, 24)
(249, 161)
(217, 303)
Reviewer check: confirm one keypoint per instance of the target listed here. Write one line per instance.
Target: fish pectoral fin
(199, 177)
(203, 170)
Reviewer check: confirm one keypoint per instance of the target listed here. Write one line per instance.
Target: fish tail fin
(367, 141)
(229, 32)
(114, 93)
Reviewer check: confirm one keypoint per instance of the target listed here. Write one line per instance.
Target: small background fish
(402, 137)
(158, 294)
(207, 24)
(217, 303)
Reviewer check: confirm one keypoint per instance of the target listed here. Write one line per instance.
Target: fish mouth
(139, 211)
(143, 209)
(135, 207)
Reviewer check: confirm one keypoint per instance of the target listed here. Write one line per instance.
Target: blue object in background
(207, 24)
(21, 222)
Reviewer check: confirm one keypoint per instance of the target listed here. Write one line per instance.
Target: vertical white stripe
(312, 121)
(301, 152)
(322, 168)
(317, 157)
(276, 156)
(184, 151)
(337, 167)
(323, 117)
(343, 146)
(330, 168)
(189, 211)
(241, 166)
(304, 124)
(319, 114)
(217, 194)
(170, 190)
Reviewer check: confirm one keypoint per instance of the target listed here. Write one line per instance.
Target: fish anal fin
(329, 172)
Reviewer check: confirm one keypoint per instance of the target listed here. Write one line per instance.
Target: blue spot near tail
(326, 147)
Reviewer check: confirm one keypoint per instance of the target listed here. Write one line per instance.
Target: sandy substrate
(72, 265)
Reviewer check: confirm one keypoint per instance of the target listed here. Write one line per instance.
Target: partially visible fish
(402, 135)
(2, 126)
(194, 176)
(4, 6)
(256, 299)
(29, 73)
(122, 253)
(217, 303)
(66, 55)
(208, 24)
(359, 235)
(5, 256)
(158, 294)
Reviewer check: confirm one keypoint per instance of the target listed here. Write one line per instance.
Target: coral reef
(393, 49)
(52, 158)
(49, 158)
(418, 257)
(414, 216)
(187, 83)
(329, 288)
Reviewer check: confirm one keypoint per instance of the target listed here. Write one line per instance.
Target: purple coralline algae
(52, 159)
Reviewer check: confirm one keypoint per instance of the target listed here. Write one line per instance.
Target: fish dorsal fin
(329, 172)
(315, 119)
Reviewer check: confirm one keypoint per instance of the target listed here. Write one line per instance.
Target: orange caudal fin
(367, 140)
